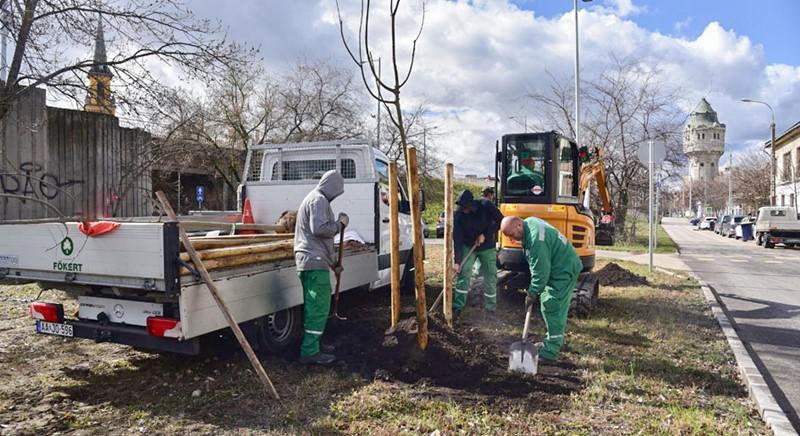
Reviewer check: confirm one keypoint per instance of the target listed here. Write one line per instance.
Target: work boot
(318, 359)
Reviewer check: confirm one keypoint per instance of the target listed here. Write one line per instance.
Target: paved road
(761, 291)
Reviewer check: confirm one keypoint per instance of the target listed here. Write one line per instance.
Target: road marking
(738, 260)
(707, 259)
(772, 261)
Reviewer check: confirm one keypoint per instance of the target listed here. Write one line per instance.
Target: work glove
(343, 219)
(529, 300)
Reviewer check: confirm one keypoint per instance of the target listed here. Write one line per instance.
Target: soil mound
(615, 275)
(459, 359)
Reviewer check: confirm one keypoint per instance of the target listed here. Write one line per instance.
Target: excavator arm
(595, 170)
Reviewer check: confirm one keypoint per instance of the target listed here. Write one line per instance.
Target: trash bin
(747, 231)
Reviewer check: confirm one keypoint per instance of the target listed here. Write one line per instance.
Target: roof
(703, 116)
(100, 59)
(786, 136)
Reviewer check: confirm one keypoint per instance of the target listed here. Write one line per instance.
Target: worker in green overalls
(475, 224)
(315, 256)
(554, 267)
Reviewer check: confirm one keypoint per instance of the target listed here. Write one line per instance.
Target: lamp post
(524, 120)
(773, 182)
(577, 77)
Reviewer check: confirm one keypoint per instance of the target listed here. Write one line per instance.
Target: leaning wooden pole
(394, 231)
(201, 269)
(448, 245)
(419, 247)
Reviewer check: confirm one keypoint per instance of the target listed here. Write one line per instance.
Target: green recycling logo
(67, 246)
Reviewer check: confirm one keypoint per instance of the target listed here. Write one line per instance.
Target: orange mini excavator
(547, 175)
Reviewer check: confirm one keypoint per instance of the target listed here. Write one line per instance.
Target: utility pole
(730, 183)
(650, 208)
(378, 113)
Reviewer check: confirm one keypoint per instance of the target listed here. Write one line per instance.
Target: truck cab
(278, 176)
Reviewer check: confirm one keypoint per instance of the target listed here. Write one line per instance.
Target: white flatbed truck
(128, 284)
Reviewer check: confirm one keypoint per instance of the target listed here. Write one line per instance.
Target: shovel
(524, 355)
(338, 274)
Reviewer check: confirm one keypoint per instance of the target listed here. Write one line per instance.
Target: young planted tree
(387, 93)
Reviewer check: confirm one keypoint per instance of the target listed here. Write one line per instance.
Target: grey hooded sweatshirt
(316, 225)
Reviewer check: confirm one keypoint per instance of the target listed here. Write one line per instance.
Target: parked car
(722, 223)
(777, 225)
(730, 230)
(440, 226)
(708, 223)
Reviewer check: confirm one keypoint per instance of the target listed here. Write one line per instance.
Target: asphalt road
(760, 289)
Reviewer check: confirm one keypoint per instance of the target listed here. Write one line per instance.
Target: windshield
(525, 167)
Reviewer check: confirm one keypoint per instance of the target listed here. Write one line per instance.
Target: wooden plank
(448, 245)
(394, 230)
(237, 331)
(240, 250)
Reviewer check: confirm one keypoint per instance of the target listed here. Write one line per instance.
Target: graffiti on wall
(33, 181)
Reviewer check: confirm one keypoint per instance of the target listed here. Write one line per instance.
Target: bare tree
(626, 106)
(420, 133)
(44, 31)
(751, 179)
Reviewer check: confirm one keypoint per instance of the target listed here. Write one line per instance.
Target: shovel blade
(523, 357)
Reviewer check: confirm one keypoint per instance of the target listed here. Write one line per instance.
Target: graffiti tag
(33, 181)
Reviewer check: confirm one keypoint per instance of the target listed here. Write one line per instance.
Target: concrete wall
(78, 163)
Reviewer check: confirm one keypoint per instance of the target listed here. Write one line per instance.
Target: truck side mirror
(422, 202)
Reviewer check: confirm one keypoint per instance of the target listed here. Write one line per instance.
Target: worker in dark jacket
(554, 267)
(475, 224)
(314, 255)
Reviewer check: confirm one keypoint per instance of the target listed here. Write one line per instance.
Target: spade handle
(527, 322)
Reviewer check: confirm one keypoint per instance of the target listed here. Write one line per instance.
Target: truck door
(384, 219)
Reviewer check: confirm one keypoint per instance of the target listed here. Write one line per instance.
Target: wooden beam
(246, 259)
(241, 250)
(448, 245)
(237, 331)
(394, 231)
(206, 243)
(419, 244)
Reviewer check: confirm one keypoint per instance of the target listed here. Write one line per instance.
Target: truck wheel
(280, 330)
(767, 243)
(581, 305)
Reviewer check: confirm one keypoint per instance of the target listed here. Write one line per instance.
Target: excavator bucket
(604, 234)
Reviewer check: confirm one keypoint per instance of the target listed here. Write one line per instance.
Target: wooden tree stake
(419, 243)
(448, 245)
(198, 264)
(394, 230)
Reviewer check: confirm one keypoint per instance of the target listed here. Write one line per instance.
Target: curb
(768, 408)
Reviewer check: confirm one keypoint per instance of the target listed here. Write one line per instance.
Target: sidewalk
(664, 260)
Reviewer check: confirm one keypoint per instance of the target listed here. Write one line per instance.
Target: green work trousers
(316, 305)
(555, 302)
(488, 270)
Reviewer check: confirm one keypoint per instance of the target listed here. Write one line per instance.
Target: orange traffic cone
(247, 218)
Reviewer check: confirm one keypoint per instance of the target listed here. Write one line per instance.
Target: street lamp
(773, 182)
(577, 77)
(524, 120)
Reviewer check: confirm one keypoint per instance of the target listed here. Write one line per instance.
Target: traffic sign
(659, 153)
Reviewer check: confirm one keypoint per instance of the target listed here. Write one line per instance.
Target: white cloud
(683, 25)
(478, 59)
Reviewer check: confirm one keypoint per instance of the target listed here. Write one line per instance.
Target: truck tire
(280, 330)
(767, 243)
(586, 296)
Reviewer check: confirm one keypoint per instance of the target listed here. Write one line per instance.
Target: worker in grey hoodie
(314, 256)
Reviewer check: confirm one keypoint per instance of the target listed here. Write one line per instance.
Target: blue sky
(771, 23)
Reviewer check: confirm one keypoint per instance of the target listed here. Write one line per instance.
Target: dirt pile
(615, 275)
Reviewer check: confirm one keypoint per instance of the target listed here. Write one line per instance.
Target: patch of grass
(664, 244)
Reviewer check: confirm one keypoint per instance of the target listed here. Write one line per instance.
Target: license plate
(53, 328)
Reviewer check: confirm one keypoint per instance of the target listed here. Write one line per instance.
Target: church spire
(99, 98)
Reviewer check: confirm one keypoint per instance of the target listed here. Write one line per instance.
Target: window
(712, 164)
(702, 164)
(787, 167)
(382, 169)
(312, 169)
(566, 169)
(775, 212)
(791, 200)
(524, 167)
(783, 200)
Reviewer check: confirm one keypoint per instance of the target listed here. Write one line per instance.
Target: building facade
(703, 143)
(787, 171)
